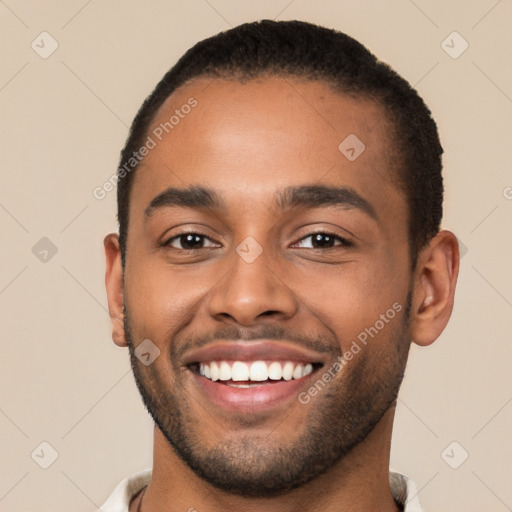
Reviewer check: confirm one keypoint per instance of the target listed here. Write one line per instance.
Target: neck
(358, 483)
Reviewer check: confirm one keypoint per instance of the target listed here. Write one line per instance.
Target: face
(269, 269)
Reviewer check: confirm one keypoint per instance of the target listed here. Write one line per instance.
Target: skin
(247, 142)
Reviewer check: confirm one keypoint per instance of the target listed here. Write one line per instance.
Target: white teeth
(275, 371)
(224, 371)
(239, 371)
(288, 371)
(257, 371)
(297, 372)
(214, 371)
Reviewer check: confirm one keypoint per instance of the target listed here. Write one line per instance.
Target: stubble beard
(338, 419)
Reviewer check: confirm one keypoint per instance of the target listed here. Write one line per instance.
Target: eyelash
(344, 242)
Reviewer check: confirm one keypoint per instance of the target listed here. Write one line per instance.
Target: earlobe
(114, 286)
(434, 288)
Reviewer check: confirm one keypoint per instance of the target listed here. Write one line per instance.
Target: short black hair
(311, 52)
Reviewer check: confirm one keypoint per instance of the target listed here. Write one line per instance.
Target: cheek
(356, 301)
(160, 299)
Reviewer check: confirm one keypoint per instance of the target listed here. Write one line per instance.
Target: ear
(114, 285)
(434, 287)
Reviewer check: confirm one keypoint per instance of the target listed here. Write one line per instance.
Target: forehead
(250, 139)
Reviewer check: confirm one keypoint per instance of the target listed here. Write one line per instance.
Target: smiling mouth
(246, 374)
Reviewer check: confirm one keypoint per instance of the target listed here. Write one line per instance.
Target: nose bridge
(252, 287)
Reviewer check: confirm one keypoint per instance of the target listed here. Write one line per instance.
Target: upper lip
(253, 351)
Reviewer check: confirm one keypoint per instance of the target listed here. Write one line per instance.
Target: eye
(323, 241)
(189, 241)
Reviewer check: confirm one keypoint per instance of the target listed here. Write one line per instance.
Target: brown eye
(189, 241)
(323, 241)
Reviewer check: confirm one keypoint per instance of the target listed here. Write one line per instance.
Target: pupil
(191, 241)
(322, 240)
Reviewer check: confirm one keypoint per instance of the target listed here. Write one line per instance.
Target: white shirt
(402, 488)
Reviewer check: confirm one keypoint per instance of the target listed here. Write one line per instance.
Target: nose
(250, 292)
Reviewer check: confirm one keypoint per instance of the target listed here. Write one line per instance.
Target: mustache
(321, 344)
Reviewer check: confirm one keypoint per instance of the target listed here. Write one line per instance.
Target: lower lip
(254, 398)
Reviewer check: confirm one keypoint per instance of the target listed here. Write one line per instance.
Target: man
(279, 204)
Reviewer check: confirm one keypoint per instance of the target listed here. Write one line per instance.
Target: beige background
(64, 120)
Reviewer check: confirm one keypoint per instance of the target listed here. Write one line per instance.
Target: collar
(403, 490)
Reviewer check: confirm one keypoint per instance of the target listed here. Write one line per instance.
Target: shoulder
(119, 500)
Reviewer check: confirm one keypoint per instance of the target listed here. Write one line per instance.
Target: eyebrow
(305, 196)
(191, 197)
(315, 196)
